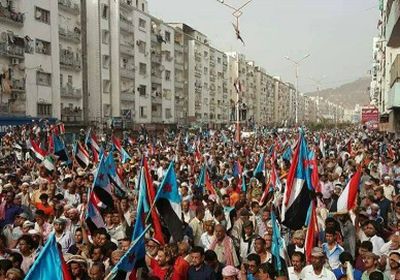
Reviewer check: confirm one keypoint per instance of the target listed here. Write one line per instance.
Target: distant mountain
(348, 94)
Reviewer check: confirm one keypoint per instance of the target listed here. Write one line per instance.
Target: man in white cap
(316, 269)
(388, 189)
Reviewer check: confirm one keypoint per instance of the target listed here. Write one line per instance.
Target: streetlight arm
(304, 58)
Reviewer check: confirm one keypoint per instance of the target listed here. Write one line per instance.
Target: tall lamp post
(296, 63)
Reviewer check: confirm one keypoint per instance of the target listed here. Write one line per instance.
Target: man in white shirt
(298, 261)
(370, 235)
(316, 269)
(388, 189)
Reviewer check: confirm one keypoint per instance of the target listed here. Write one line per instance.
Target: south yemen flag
(347, 199)
(37, 153)
(297, 198)
(168, 202)
(81, 155)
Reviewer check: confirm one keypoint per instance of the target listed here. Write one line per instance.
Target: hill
(348, 94)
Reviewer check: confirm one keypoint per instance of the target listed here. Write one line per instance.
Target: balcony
(12, 50)
(128, 97)
(393, 24)
(70, 60)
(126, 4)
(178, 48)
(156, 58)
(178, 84)
(12, 18)
(126, 49)
(179, 67)
(68, 6)
(127, 73)
(18, 85)
(70, 92)
(70, 115)
(156, 98)
(156, 79)
(126, 25)
(71, 36)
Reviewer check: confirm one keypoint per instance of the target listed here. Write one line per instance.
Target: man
(298, 260)
(63, 237)
(316, 269)
(370, 229)
(44, 205)
(78, 267)
(152, 246)
(345, 258)
(371, 264)
(252, 265)
(297, 244)
(365, 246)
(265, 217)
(97, 271)
(211, 259)
(394, 264)
(383, 203)
(260, 247)
(223, 247)
(197, 226)
(11, 210)
(187, 214)
(198, 269)
(237, 228)
(331, 248)
(388, 189)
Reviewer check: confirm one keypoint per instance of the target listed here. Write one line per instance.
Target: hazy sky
(337, 33)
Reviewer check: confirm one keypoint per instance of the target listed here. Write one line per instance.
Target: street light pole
(297, 64)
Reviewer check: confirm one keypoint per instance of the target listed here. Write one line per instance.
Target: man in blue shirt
(11, 210)
(331, 248)
(345, 258)
(198, 269)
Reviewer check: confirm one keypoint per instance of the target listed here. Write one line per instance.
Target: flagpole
(237, 102)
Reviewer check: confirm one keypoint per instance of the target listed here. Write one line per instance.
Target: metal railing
(11, 50)
(70, 92)
(69, 6)
(11, 17)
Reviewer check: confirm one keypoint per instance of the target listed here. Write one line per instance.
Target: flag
(50, 143)
(118, 146)
(314, 171)
(101, 184)
(237, 172)
(322, 146)
(128, 261)
(49, 163)
(312, 231)
(237, 132)
(347, 199)
(259, 171)
(287, 154)
(81, 155)
(208, 184)
(151, 193)
(112, 173)
(94, 220)
(296, 198)
(60, 149)
(168, 202)
(91, 143)
(48, 263)
(274, 183)
(277, 245)
(238, 86)
(35, 151)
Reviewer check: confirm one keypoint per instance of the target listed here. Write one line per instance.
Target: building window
(42, 15)
(61, 80)
(106, 86)
(43, 47)
(142, 90)
(219, 60)
(167, 75)
(43, 79)
(143, 7)
(142, 23)
(142, 68)
(167, 36)
(142, 112)
(105, 36)
(168, 114)
(104, 11)
(142, 46)
(70, 83)
(106, 61)
(44, 109)
(205, 70)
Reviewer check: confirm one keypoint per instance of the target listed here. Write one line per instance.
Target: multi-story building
(29, 58)
(181, 75)
(385, 83)
(264, 97)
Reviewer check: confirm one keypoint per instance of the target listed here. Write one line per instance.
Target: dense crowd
(229, 231)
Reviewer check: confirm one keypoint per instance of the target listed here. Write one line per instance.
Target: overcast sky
(337, 33)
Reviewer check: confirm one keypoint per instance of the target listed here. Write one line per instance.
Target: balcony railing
(69, 6)
(156, 59)
(70, 92)
(11, 50)
(179, 66)
(71, 115)
(178, 48)
(18, 85)
(126, 49)
(126, 25)
(156, 79)
(178, 84)
(69, 60)
(127, 73)
(72, 36)
(10, 17)
(128, 97)
(127, 4)
(156, 98)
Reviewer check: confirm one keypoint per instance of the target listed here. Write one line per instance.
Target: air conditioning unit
(14, 61)
(38, 14)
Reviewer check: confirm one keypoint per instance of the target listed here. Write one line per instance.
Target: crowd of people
(228, 234)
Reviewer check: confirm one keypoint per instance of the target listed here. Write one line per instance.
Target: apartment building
(29, 58)
(265, 86)
(181, 77)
